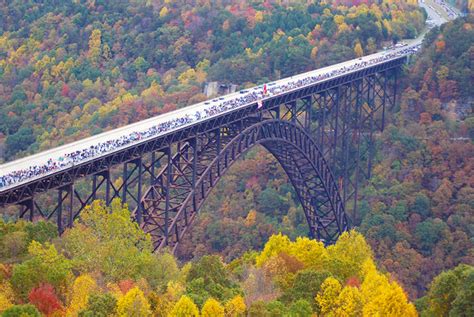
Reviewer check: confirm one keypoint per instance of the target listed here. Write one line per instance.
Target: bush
(21, 310)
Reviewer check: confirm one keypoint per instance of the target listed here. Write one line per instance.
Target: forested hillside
(70, 69)
(103, 266)
(419, 208)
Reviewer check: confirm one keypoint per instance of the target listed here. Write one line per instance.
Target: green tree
(270, 202)
(422, 205)
(46, 265)
(105, 239)
(140, 64)
(21, 311)
(19, 141)
(276, 308)
(306, 285)
(258, 309)
(209, 278)
(300, 308)
(452, 292)
(100, 305)
(429, 232)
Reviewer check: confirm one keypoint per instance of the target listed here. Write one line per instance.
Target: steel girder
(341, 115)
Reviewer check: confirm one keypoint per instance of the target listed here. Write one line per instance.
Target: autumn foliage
(74, 69)
(70, 70)
(286, 277)
(45, 299)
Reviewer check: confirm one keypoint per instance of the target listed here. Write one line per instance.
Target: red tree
(126, 285)
(45, 299)
(65, 90)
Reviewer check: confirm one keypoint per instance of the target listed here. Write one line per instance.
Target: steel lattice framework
(322, 135)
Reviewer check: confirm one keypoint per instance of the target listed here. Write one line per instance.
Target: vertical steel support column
(372, 107)
(345, 140)
(218, 150)
(395, 84)
(358, 110)
(71, 205)
(195, 158)
(335, 132)
(124, 179)
(385, 76)
(59, 213)
(323, 121)
(139, 213)
(32, 209)
(169, 178)
(29, 206)
(307, 119)
(94, 187)
(293, 111)
(152, 177)
(107, 187)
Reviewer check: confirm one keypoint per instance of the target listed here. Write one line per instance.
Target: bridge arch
(167, 220)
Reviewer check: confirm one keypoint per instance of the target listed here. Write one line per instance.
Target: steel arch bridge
(322, 135)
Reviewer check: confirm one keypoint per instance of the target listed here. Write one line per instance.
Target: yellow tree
(187, 76)
(165, 303)
(349, 302)
(235, 307)
(164, 12)
(382, 297)
(83, 286)
(258, 16)
(314, 53)
(358, 50)
(310, 252)
(94, 45)
(201, 70)
(185, 307)
(251, 218)
(153, 92)
(328, 295)
(6, 295)
(339, 19)
(347, 255)
(275, 245)
(212, 308)
(133, 304)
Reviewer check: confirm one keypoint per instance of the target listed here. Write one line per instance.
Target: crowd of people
(211, 108)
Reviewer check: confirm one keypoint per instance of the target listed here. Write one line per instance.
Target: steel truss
(322, 135)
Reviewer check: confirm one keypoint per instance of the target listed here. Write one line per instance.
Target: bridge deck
(18, 191)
